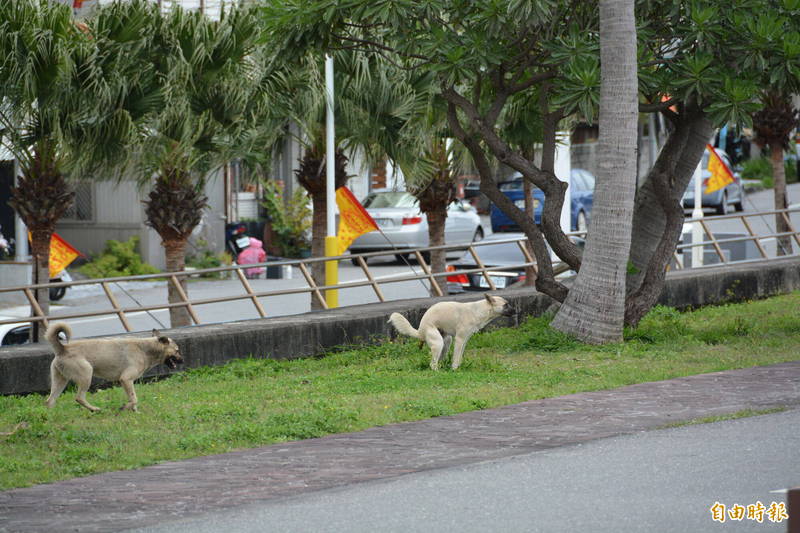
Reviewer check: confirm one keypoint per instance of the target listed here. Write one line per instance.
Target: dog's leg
(436, 344)
(458, 350)
(57, 385)
(83, 379)
(127, 384)
(448, 340)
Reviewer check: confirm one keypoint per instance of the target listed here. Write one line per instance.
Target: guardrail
(432, 280)
(748, 236)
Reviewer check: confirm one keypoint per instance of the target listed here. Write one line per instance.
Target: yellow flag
(720, 173)
(354, 220)
(61, 254)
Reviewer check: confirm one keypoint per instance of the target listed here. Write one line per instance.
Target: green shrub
(290, 221)
(205, 258)
(118, 259)
(761, 169)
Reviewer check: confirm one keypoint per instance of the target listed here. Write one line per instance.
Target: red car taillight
(457, 278)
(411, 220)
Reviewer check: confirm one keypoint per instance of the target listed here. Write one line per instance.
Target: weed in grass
(744, 413)
(661, 324)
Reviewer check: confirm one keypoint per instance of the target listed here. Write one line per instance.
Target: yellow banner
(720, 173)
(354, 220)
(61, 254)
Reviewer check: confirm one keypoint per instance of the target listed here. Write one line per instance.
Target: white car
(403, 226)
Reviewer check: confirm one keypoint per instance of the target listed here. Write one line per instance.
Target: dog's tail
(403, 326)
(52, 336)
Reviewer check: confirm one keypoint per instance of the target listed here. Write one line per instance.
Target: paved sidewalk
(178, 490)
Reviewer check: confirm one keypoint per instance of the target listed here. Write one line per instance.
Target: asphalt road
(663, 480)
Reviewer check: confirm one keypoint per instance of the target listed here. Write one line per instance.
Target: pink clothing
(253, 254)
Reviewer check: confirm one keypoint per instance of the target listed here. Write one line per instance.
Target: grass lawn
(250, 403)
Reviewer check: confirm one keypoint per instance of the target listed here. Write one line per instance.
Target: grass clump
(254, 402)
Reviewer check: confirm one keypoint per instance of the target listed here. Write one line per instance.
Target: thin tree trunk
(175, 251)
(437, 219)
(318, 229)
(781, 202)
(658, 215)
(594, 309)
(527, 190)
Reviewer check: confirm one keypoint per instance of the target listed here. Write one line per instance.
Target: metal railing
(434, 282)
(749, 236)
(426, 276)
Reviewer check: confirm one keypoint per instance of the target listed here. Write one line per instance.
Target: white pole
(697, 212)
(563, 169)
(20, 231)
(330, 165)
(331, 246)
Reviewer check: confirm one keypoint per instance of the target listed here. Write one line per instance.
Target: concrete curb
(26, 369)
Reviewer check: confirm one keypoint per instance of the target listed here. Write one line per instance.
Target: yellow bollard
(331, 272)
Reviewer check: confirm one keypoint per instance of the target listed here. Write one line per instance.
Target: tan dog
(446, 320)
(123, 360)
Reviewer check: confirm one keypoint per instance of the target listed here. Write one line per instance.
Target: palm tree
(595, 306)
(772, 125)
(210, 77)
(58, 116)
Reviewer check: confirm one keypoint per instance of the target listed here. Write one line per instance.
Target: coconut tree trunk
(594, 309)
(175, 252)
(40, 253)
(781, 202)
(312, 176)
(437, 218)
(40, 198)
(174, 208)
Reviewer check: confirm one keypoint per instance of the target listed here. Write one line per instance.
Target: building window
(82, 209)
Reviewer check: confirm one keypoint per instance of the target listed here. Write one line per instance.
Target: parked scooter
(56, 293)
(236, 238)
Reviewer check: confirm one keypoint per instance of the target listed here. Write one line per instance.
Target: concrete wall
(26, 369)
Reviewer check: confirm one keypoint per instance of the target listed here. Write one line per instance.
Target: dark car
(581, 193)
(503, 260)
(513, 189)
(582, 198)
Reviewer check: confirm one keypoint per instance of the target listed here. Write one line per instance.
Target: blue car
(582, 197)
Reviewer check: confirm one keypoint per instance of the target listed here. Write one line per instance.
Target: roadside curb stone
(182, 489)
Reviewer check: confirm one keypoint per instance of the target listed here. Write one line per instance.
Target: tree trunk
(318, 231)
(40, 253)
(175, 251)
(658, 215)
(779, 177)
(594, 309)
(530, 272)
(437, 218)
(545, 279)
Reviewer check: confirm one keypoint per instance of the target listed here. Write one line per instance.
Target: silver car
(403, 226)
(732, 195)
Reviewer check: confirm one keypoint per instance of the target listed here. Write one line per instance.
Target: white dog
(446, 320)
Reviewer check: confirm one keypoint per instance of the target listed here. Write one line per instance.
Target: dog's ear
(163, 340)
(156, 333)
